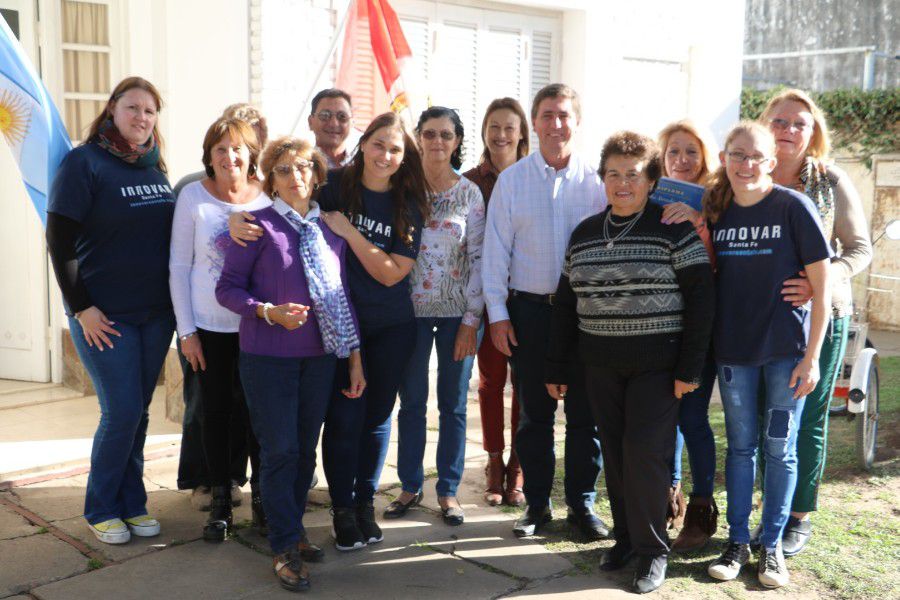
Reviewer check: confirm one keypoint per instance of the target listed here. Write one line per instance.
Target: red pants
(492, 365)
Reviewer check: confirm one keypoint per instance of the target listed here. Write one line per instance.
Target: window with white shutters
(87, 53)
(469, 56)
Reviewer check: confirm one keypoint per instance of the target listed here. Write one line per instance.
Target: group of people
(308, 285)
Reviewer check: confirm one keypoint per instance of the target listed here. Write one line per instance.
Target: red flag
(374, 56)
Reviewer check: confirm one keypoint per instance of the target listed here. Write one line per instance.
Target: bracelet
(187, 335)
(266, 308)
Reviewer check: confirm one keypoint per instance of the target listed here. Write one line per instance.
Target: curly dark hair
(635, 145)
(438, 112)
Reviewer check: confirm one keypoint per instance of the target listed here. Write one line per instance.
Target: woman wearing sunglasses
(446, 296)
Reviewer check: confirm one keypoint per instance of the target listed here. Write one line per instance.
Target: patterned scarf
(819, 188)
(144, 155)
(325, 289)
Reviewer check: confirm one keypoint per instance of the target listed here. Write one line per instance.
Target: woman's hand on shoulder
(679, 212)
(338, 223)
(357, 379)
(242, 230)
(96, 326)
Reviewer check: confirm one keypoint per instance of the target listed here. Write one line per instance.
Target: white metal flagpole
(315, 81)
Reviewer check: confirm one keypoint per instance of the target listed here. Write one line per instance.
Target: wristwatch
(186, 336)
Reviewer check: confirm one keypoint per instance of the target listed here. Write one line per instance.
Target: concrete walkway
(47, 551)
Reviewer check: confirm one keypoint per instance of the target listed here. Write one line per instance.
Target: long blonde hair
(820, 143)
(708, 147)
(719, 194)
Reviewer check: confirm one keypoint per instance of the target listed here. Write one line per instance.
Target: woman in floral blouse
(446, 295)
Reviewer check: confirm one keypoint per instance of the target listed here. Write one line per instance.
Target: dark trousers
(192, 469)
(534, 438)
(223, 409)
(357, 430)
(287, 398)
(636, 413)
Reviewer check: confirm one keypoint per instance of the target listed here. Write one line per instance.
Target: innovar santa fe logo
(14, 117)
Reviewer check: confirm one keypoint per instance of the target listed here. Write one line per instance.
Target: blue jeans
(124, 377)
(358, 430)
(287, 399)
(781, 421)
(694, 430)
(451, 448)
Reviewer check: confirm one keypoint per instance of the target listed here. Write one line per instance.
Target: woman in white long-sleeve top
(209, 332)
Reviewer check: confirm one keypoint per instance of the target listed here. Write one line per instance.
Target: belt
(539, 298)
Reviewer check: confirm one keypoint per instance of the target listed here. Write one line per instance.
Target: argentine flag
(29, 121)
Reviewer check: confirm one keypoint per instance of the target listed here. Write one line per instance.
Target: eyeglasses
(738, 158)
(430, 134)
(784, 125)
(300, 166)
(326, 115)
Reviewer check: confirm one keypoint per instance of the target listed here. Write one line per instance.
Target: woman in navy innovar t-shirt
(762, 235)
(108, 227)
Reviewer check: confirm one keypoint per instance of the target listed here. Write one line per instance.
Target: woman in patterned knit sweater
(634, 304)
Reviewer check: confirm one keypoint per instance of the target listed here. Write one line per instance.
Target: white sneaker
(728, 566)
(143, 526)
(773, 571)
(113, 531)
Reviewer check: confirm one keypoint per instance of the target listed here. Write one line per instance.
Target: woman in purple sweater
(296, 321)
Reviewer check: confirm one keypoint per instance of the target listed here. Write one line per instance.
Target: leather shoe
(397, 509)
(310, 552)
(650, 573)
(616, 557)
(589, 524)
(529, 523)
(796, 535)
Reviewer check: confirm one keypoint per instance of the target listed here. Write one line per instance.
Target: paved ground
(47, 551)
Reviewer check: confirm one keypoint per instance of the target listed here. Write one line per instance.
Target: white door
(24, 313)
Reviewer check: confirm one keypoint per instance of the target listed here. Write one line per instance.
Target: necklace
(628, 226)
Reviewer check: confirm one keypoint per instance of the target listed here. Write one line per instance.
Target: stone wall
(792, 25)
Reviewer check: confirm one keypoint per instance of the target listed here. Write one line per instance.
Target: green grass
(94, 564)
(855, 550)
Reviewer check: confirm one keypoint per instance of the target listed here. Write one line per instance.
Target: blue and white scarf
(325, 288)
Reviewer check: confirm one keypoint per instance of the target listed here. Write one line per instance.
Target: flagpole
(315, 81)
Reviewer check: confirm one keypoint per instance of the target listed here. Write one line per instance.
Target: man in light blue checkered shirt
(535, 206)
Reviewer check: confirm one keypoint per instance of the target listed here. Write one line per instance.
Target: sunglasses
(430, 134)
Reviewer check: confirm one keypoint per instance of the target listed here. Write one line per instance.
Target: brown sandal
(291, 572)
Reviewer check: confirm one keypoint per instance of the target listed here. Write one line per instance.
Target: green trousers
(812, 439)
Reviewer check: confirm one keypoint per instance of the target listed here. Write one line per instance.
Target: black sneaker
(616, 557)
(588, 524)
(347, 535)
(772, 571)
(365, 520)
(796, 535)
(728, 566)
